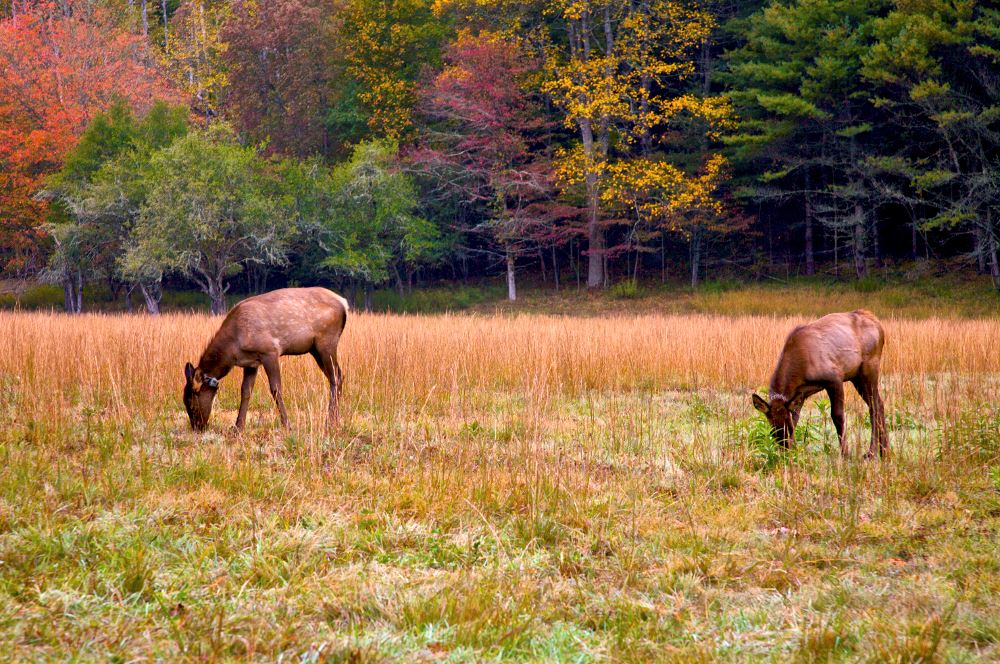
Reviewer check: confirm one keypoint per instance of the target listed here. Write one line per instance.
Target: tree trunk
(992, 243)
(663, 257)
(511, 285)
(913, 238)
(73, 292)
(145, 19)
(595, 233)
(166, 42)
(555, 268)
(79, 291)
(810, 254)
(400, 286)
(836, 253)
(69, 301)
(541, 260)
(981, 241)
(151, 295)
(368, 295)
(875, 246)
(217, 294)
(695, 254)
(859, 243)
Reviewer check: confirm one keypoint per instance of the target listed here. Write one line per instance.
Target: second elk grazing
(823, 355)
(255, 333)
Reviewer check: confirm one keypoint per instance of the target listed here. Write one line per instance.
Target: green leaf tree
(373, 232)
(101, 189)
(806, 115)
(935, 63)
(209, 213)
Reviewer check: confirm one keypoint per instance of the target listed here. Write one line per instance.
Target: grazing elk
(823, 355)
(258, 330)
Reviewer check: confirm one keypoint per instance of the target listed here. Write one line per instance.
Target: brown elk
(823, 355)
(255, 333)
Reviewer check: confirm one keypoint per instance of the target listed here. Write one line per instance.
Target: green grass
(625, 533)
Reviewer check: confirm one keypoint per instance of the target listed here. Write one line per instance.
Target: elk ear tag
(188, 372)
(760, 404)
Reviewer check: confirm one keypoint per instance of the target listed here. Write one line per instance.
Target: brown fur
(256, 332)
(823, 355)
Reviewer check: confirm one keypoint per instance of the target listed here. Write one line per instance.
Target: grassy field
(529, 487)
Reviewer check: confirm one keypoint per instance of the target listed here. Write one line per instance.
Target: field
(529, 487)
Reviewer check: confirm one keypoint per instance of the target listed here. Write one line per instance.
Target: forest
(364, 144)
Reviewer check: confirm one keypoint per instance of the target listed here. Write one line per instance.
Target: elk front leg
(273, 371)
(246, 390)
(836, 394)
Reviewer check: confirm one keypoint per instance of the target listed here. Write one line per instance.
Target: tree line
(373, 143)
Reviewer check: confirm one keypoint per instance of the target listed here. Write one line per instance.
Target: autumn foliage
(59, 65)
(610, 138)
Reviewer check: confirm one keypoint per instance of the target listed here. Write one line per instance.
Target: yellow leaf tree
(386, 43)
(194, 53)
(615, 70)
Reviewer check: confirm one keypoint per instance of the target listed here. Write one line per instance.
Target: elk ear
(188, 372)
(196, 379)
(760, 404)
(796, 404)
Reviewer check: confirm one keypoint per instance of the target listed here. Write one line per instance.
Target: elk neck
(786, 381)
(215, 361)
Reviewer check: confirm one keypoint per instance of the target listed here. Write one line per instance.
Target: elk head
(782, 414)
(199, 392)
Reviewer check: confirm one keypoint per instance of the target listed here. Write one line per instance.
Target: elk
(255, 333)
(823, 355)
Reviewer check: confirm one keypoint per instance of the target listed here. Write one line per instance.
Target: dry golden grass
(528, 487)
(132, 363)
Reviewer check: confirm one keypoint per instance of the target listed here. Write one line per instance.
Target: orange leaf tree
(60, 64)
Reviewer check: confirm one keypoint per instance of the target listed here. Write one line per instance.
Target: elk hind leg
(867, 386)
(326, 357)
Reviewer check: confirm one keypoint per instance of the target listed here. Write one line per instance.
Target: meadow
(504, 486)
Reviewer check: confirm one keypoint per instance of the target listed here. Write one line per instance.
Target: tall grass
(133, 364)
(522, 486)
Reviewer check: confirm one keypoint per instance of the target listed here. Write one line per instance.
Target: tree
(60, 64)
(612, 79)
(612, 69)
(807, 122)
(935, 64)
(486, 143)
(208, 213)
(386, 43)
(102, 186)
(195, 53)
(662, 197)
(373, 233)
(280, 64)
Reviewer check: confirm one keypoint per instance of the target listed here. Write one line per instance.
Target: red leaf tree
(280, 69)
(485, 141)
(60, 63)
